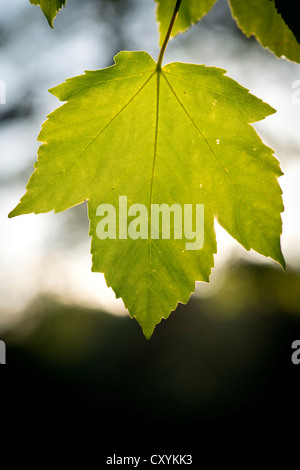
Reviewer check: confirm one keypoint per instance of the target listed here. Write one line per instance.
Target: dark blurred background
(216, 379)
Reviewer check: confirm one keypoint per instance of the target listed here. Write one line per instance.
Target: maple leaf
(261, 19)
(50, 8)
(191, 11)
(179, 134)
(258, 18)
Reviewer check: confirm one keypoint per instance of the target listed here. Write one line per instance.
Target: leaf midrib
(158, 72)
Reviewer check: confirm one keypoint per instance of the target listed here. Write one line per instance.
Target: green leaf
(176, 136)
(260, 18)
(190, 12)
(50, 8)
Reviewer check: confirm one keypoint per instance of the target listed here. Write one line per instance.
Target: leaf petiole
(166, 40)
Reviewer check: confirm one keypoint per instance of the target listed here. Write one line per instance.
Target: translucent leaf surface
(261, 19)
(50, 8)
(179, 135)
(190, 12)
(258, 18)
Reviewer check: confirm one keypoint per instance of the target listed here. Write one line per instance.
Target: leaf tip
(281, 261)
(278, 257)
(148, 331)
(13, 213)
(20, 209)
(147, 335)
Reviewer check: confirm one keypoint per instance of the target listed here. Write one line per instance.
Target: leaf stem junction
(166, 40)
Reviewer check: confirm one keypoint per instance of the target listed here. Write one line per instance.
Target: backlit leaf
(190, 12)
(258, 18)
(261, 19)
(50, 8)
(179, 135)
